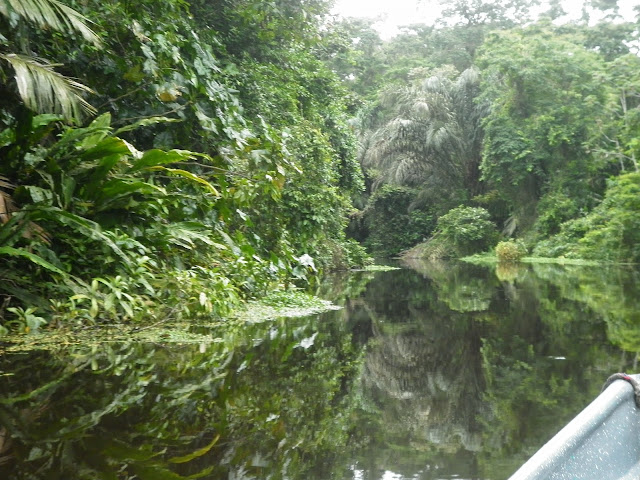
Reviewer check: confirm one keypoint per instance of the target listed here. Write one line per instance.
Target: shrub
(468, 229)
(609, 233)
(356, 254)
(510, 251)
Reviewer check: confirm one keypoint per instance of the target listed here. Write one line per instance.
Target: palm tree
(39, 86)
(433, 139)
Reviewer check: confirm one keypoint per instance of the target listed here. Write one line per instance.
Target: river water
(433, 371)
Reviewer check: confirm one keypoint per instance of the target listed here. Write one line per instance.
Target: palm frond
(42, 89)
(51, 14)
(432, 132)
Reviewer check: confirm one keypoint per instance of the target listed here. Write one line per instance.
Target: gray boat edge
(602, 442)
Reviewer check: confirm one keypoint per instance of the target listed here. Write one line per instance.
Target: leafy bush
(553, 210)
(510, 251)
(610, 233)
(467, 230)
(357, 255)
(107, 233)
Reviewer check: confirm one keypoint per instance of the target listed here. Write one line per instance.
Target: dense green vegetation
(165, 163)
(534, 120)
(167, 166)
(176, 165)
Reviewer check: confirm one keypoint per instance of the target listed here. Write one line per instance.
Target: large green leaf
(117, 188)
(44, 120)
(101, 127)
(7, 137)
(104, 168)
(197, 453)
(107, 147)
(19, 252)
(156, 157)
(38, 195)
(190, 176)
(86, 227)
(74, 137)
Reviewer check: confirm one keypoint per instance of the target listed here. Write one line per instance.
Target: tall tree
(615, 139)
(487, 12)
(546, 96)
(433, 137)
(353, 49)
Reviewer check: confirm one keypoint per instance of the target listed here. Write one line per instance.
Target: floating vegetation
(279, 304)
(376, 268)
(287, 303)
(490, 258)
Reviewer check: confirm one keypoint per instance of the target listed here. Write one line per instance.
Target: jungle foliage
(167, 166)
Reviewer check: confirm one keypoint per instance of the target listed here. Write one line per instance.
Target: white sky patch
(574, 8)
(393, 14)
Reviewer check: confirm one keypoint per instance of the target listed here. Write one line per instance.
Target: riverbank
(490, 258)
(279, 304)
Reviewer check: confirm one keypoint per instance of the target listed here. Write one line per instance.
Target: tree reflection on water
(433, 371)
(473, 368)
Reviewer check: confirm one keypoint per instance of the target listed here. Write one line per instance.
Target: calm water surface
(435, 371)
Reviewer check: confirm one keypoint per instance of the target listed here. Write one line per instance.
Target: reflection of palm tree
(427, 378)
(39, 86)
